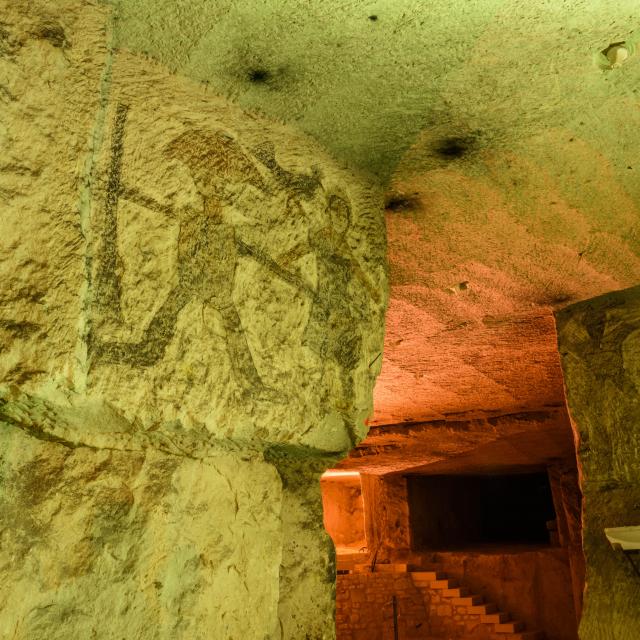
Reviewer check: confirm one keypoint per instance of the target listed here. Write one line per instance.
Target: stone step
(468, 601)
(381, 568)
(458, 592)
(444, 584)
(483, 609)
(450, 588)
(509, 627)
(424, 567)
(496, 618)
(428, 576)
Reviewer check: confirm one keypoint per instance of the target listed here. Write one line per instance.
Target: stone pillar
(190, 299)
(599, 342)
(343, 509)
(386, 516)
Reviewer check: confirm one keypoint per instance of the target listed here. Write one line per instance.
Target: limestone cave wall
(191, 313)
(343, 510)
(599, 342)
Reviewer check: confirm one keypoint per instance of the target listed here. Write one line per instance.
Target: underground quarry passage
(458, 512)
(319, 320)
(482, 542)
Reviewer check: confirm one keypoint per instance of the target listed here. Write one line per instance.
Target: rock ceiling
(507, 148)
(367, 76)
(481, 255)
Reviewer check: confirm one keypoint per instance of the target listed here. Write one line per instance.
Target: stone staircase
(465, 602)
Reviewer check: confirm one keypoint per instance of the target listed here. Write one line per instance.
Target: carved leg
(240, 356)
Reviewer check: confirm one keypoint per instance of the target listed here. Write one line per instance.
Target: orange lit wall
(344, 512)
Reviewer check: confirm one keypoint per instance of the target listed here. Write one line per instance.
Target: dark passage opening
(462, 512)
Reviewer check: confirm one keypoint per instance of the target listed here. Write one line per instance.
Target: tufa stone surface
(194, 270)
(343, 512)
(476, 75)
(120, 544)
(481, 256)
(599, 343)
(191, 309)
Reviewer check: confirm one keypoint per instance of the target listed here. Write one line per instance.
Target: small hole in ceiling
(453, 147)
(615, 55)
(259, 75)
(460, 286)
(399, 202)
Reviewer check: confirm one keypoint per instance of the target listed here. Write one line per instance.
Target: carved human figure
(208, 249)
(206, 253)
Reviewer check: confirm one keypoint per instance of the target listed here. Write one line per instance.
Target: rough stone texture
(599, 345)
(191, 229)
(191, 314)
(49, 97)
(512, 159)
(567, 498)
(367, 78)
(343, 510)
(266, 270)
(386, 515)
(534, 584)
(542, 586)
(533, 587)
(306, 604)
(121, 544)
(481, 252)
(485, 445)
(450, 622)
(508, 150)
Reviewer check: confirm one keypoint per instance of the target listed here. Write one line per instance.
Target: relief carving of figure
(208, 250)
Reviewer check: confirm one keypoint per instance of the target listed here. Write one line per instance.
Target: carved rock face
(233, 285)
(598, 342)
(191, 305)
(118, 544)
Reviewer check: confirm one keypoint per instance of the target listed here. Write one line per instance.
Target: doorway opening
(455, 512)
